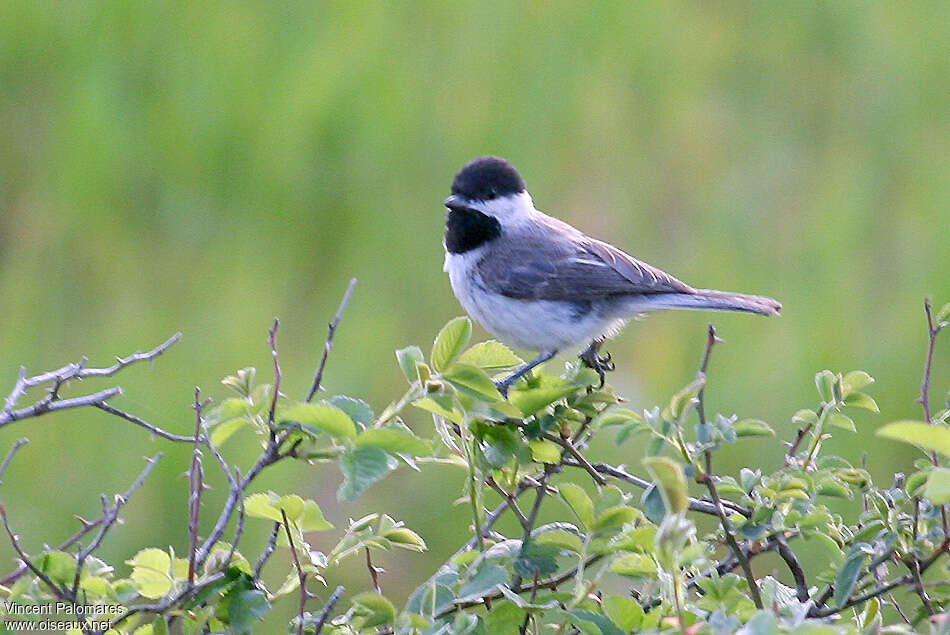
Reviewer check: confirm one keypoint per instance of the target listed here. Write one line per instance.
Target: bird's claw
(601, 364)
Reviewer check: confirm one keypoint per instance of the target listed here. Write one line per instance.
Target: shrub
(625, 554)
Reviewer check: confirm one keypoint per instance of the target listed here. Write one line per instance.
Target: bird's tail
(711, 300)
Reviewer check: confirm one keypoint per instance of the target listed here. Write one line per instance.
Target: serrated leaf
(929, 437)
(842, 421)
(324, 417)
(490, 355)
(669, 476)
(579, 502)
(361, 467)
(450, 342)
(861, 400)
(753, 428)
(544, 451)
(472, 381)
(394, 441)
(938, 486)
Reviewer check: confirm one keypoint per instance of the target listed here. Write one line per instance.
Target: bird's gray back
(550, 260)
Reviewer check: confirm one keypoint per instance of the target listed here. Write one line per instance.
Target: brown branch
(580, 458)
(268, 550)
(932, 332)
(708, 480)
(328, 343)
(301, 576)
(711, 340)
(272, 342)
(142, 423)
(373, 572)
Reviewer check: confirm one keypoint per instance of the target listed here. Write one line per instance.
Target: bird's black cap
(486, 178)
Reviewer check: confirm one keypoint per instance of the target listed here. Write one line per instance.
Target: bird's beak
(456, 202)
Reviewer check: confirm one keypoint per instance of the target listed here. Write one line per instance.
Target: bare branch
(272, 342)
(711, 340)
(49, 405)
(328, 344)
(6, 462)
(195, 487)
(112, 410)
(325, 614)
(268, 550)
(301, 576)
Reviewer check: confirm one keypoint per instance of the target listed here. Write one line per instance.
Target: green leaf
(616, 517)
(357, 409)
(532, 400)
(805, 417)
(545, 451)
(579, 502)
(943, 314)
(825, 382)
(406, 539)
(327, 418)
(753, 428)
(450, 342)
(431, 405)
(362, 467)
(861, 400)
(312, 518)
(624, 611)
(375, 608)
(562, 539)
(472, 381)
(929, 437)
(223, 431)
(408, 359)
(847, 578)
(490, 355)
(59, 566)
(150, 573)
(938, 486)
(669, 476)
(634, 565)
(394, 441)
(246, 608)
(856, 380)
(489, 576)
(841, 421)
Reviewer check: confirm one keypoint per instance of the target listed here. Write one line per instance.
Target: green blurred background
(204, 167)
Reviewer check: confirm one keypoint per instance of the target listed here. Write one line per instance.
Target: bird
(538, 284)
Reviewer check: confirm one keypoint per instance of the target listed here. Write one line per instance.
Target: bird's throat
(467, 229)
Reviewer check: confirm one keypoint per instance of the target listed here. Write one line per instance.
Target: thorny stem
(325, 614)
(932, 332)
(195, 486)
(711, 340)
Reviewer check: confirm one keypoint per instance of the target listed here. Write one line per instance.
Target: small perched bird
(539, 284)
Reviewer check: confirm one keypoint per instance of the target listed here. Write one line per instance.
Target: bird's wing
(557, 262)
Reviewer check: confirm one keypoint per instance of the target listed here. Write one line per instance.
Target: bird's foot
(592, 358)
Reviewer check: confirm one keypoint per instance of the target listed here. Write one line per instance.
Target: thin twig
(301, 576)
(373, 572)
(325, 614)
(695, 504)
(328, 344)
(195, 487)
(145, 424)
(580, 458)
(60, 593)
(709, 481)
(272, 341)
(711, 340)
(268, 550)
(932, 332)
(6, 462)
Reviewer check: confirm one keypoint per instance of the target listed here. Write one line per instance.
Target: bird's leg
(521, 372)
(593, 359)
